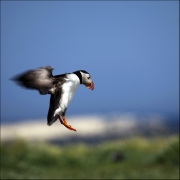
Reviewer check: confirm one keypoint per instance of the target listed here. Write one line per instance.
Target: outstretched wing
(40, 78)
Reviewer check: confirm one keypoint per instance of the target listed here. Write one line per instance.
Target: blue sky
(131, 50)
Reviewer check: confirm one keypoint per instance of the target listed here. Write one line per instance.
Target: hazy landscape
(125, 147)
(91, 129)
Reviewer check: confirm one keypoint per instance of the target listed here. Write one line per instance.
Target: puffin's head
(85, 79)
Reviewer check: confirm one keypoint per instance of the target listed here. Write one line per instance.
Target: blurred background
(131, 50)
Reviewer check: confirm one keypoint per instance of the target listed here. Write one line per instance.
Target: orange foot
(65, 123)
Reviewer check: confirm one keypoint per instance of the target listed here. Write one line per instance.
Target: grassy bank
(127, 159)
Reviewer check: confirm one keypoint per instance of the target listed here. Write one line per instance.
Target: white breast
(68, 90)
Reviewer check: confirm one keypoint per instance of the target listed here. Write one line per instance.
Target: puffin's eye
(88, 77)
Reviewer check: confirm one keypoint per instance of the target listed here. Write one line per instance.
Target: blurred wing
(35, 79)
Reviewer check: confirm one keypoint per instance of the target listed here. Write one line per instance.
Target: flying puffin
(61, 87)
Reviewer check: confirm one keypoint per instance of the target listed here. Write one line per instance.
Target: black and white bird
(61, 87)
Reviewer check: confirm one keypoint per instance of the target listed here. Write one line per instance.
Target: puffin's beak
(90, 85)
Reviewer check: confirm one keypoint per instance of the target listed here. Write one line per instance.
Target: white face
(87, 81)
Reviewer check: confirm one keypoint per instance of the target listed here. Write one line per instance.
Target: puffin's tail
(51, 120)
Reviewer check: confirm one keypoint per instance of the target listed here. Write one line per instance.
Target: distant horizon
(108, 115)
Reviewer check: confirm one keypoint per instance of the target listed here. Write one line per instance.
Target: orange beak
(90, 85)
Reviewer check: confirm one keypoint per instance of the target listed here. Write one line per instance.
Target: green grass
(156, 158)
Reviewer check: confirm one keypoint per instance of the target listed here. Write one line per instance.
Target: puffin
(61, 88)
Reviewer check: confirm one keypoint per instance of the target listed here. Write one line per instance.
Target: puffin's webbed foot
(65, 123)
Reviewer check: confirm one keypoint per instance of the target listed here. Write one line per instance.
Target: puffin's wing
(55, 99)
(54, 102)
(35, 79)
